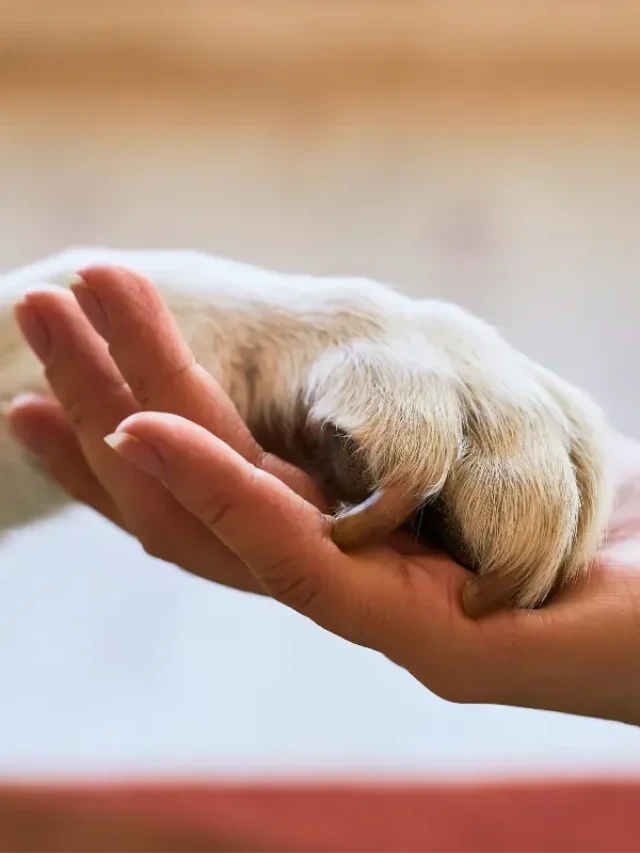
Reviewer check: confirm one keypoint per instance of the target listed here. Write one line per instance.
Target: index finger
(159, 367)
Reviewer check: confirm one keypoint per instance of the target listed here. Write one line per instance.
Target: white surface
(114, 663)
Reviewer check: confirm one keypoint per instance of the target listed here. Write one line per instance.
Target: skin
(180, 471)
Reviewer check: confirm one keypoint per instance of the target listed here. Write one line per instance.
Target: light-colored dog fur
(434, 399)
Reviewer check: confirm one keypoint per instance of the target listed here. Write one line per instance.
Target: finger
(286, 542)
(159, 367)
(41, 425)
(84, 380)
(94, 398)
(254, 513)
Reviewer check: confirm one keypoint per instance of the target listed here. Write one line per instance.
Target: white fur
(435, 399)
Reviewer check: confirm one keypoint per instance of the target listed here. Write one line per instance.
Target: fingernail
(91, 306)
(34, 328)
(137, 452)
(23, 400)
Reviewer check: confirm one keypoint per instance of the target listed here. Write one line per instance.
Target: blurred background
(480, 151)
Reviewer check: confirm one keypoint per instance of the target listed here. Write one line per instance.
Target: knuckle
(155, 536)
(453, 691)
(152, 546)
(160, 546)
(77, 414)
(141, 388)
(148, 387)
(451, 678)
(260, 458)
(89, 405)
(290, 585)
(213, 510)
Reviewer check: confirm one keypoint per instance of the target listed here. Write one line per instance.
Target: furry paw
(441, 425)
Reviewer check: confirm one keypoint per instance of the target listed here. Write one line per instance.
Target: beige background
(537, 234)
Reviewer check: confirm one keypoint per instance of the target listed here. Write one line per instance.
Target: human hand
(575, 655)
(147, 365)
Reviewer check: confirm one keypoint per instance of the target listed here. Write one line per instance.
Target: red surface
(514, 818)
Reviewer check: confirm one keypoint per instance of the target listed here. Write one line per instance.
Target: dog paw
(442, 426)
